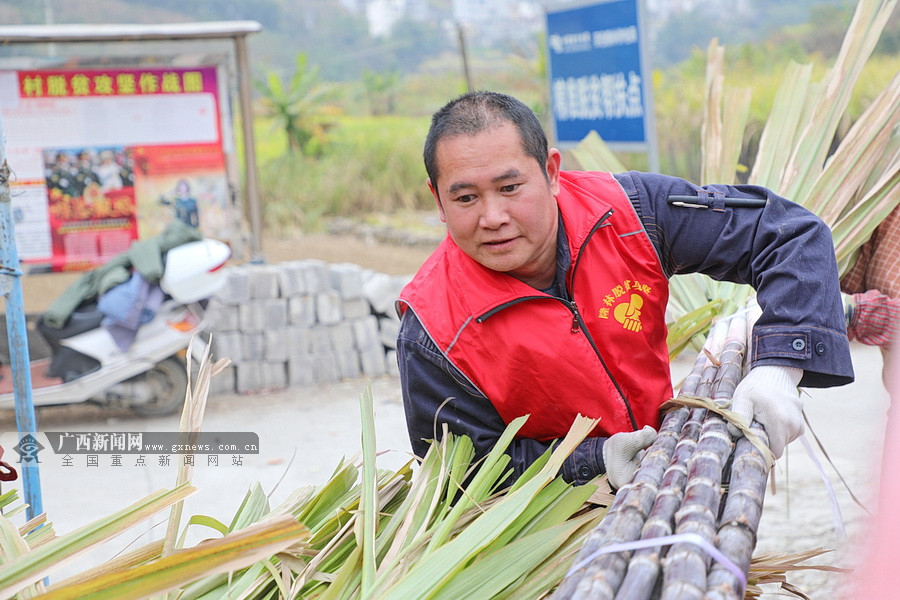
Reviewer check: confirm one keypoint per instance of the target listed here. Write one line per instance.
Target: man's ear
(437, 199)
(554, 160)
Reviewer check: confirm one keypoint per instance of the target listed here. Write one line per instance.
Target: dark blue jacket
(784, 251)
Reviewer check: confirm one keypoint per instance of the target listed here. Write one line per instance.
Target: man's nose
(495, 213)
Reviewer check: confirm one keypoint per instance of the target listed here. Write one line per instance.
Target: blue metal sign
(596, 77)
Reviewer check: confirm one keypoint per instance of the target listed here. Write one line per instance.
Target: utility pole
(462, 50)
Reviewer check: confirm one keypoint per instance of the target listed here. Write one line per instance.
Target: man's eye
(466, 199)
(506, 189)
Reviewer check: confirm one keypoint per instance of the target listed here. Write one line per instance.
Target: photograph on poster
(185, 182)
(90, 196)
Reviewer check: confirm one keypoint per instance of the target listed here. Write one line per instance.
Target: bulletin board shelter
(123, 131)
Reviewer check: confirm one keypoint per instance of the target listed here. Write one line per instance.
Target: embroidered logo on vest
(626, 301)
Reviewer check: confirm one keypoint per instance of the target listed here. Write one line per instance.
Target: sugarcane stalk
(601, 577)
(686, 564)
(740, 517)
(644, 566)
(742, 511)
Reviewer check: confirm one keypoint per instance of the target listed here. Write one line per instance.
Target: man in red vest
(548, 296)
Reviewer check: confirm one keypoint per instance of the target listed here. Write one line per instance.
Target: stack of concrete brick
(303, 322)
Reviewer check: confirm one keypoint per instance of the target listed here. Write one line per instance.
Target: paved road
(304, 433)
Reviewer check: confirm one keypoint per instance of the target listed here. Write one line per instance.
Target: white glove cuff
(776, 375)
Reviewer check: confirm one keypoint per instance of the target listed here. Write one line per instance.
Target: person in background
(547, 298)
(185, 205)
(873, 291)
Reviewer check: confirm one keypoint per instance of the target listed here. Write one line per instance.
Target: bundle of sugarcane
(693, 482)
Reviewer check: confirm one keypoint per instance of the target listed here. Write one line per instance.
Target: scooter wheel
(168, 380)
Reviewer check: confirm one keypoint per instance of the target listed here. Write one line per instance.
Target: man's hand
(621, 454)
(769, 395)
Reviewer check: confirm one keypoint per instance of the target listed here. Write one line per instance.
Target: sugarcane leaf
(548, 574)
(253, 507)
(493, 572)
(482, 483)
(211, 522)
(365, 534)
(49, 557)
(235, 551)
(141, 555)
(12, 546)
(780, 131)
(593, 154)
(729, 416)
(430, 573)
(533, 469)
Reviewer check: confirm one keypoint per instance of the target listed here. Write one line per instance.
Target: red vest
(603, 356)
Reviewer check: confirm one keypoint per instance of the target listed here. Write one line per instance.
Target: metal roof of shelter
(25, 34)
(203, 30)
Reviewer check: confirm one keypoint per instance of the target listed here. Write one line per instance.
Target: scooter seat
(66, 362)
(84, 318)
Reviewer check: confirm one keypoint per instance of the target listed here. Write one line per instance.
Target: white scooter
(150, 377)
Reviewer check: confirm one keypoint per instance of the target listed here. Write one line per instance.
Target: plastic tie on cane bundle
(668, 540)
(832, 496)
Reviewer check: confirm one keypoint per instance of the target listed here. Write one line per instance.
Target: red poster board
(105, 156)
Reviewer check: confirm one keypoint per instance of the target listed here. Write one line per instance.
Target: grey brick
(274, 374)
(365, 332)
(290, 279)
(315, 276)
(222, 316)
(252, 315)
(325, 368)
(228, 344)
(223, 382)
(249, 376)
(300, 371)
(372, 361)
(390, 363)
(237, 287)
(263, 281)
(297, 341)
(348, 364)
(302, 310)
(377, 289)
(276, 313)
(253, 346)
(328, 307)
(355, 308)
(388, 330)
(342, 336)
(346, 278)
(319, 339)
(275, 344)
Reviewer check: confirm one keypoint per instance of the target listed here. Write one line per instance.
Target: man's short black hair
(475, 112)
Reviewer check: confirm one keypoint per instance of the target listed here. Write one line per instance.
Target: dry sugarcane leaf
(593, 154)
(730, 416)
(603, 495)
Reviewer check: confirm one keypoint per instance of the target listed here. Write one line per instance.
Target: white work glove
(622, 454)
(769, 395)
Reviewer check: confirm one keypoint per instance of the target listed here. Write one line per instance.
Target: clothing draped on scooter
(144, 256)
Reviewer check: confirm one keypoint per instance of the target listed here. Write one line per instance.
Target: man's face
(498, 204)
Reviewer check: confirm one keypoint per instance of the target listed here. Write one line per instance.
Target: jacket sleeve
(436, 393)
(781, 249)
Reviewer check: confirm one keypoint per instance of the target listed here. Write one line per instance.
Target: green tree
(381, 90)
(302, 109)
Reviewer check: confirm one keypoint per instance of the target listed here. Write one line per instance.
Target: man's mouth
(499, 243)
